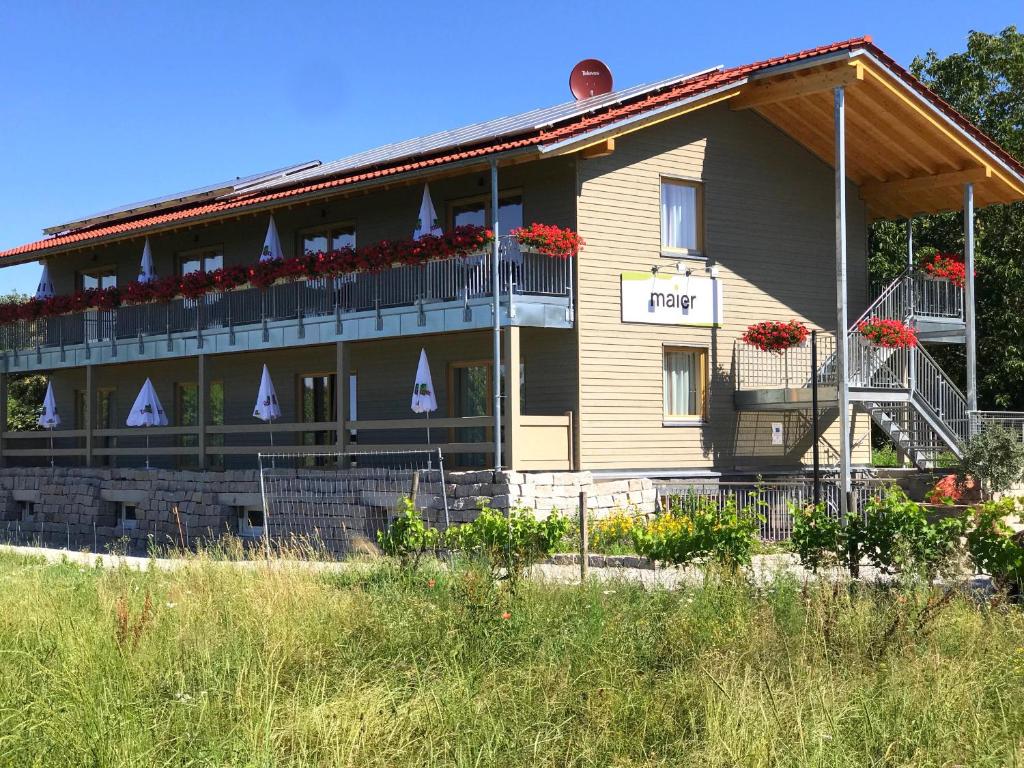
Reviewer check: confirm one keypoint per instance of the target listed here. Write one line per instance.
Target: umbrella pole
(51, 448)
(429, 463)
(147, 450)
(273, 460)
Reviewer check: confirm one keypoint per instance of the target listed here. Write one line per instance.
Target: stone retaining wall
(80, 508)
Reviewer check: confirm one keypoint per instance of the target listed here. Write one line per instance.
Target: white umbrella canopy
(271, 244)
(267, 407)
(423, 398)
(45, 288)
(427, 224)
(147, 272)
(48, 417)
(147, 411)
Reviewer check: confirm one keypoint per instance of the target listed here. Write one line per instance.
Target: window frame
(686, 420)
(27, 511)
(181, 256)
(82, 273)
(244, 528)
(452, 204)
(700, 252)
(328, 228)
(124, 523)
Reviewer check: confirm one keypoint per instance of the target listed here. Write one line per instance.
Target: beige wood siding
(769, 227)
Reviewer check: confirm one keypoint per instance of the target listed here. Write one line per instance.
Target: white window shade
(683, 385)
(679, 217)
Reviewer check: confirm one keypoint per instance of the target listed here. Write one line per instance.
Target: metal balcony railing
(790, 369)
(459, 279)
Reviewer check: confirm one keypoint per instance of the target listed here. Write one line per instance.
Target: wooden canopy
(907, 156)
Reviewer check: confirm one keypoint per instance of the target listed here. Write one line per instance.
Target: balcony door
(104, 417)
(98, 323)
(470, 394)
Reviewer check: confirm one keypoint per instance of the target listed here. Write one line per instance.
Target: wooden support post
(201, 397)
(584, 538)
(90, 410)
(414, 488)
(341, 395)
(513, 395)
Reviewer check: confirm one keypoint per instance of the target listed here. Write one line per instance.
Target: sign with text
(671, 299)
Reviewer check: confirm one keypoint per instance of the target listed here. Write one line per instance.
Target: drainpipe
(842, 336)
(496, 313)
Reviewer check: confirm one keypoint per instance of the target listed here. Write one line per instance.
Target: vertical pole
(970, 317)
(341, 374)
(3, 416)
(910, 244)
(842, 336)
(90, 410)
(512, 394)
(584, 538)
(496, 312)
(815, 419)
(201, 416)
(911, 301)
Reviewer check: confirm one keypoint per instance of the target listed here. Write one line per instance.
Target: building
(707, 202)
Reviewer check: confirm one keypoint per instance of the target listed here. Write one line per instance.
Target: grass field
(220, 665)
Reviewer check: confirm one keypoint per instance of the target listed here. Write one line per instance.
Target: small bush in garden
(897, 537)
(613, 534)
(995, 455)
(409, 537)
(994, 548)
(508, 545)
(817, 538)
(697, 528)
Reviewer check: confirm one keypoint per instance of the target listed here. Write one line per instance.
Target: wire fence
(336, 504)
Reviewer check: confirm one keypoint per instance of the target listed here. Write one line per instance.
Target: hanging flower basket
(775, 336)
(549, 240)
(945, 266)
(890, 334)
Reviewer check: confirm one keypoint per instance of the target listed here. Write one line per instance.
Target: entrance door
(98, 323)
(469, 394)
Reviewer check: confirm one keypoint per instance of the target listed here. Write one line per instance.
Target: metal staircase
(905, 391)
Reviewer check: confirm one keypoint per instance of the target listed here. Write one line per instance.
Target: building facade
(707, 203)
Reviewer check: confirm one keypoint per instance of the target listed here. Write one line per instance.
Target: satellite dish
(590, 78)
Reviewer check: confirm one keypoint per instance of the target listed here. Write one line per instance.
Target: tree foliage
(24, 393)
(984, 83)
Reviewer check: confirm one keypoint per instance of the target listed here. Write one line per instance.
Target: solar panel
(209, 192)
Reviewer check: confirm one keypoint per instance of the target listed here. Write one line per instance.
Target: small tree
(995, 457)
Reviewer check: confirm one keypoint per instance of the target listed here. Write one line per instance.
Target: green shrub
(894, 535)
(817, 538)
(409, 537)
(696, 528)
(993, 547)
(996, 457)
(510, 544)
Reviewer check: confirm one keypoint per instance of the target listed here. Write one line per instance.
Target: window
(186, 410)
(27, 511)
(97, 279)
(127, 518)
(477, 212)
(103, 417)
(317, 404)
(332, 238)
(250, 521)
(685, 383)
(681, 218)
(200, 260)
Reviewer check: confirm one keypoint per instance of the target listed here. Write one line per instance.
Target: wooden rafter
(757, 93)
(927, 182)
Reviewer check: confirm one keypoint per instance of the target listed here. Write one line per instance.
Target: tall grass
(287, 667)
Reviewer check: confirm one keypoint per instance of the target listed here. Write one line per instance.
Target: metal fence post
(584, 538)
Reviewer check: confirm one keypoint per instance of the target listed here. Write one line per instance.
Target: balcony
(445, 295)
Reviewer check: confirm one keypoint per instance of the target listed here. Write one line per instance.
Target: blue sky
(110, 103)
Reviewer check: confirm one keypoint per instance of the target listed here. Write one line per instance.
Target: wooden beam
(201, 407)
(341, 395)
(3, 414)
(930, 181)
(771, 91)
(602, 148)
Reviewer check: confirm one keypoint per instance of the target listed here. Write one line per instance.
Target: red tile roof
(644, 102)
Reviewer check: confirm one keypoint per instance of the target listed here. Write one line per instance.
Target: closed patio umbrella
(49, 419)
(423, 398)
(147, 272)
(45, 288)
(271, 244)
(427, 224)
(147, 412)
(267, 408)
